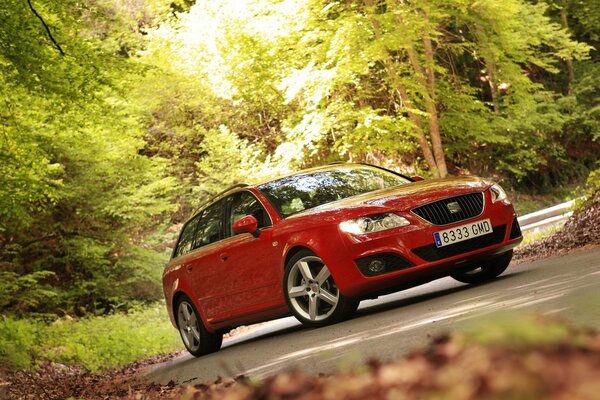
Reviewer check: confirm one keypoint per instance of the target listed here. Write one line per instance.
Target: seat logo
(453, 207)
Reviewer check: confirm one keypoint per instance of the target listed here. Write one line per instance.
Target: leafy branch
(62, 53)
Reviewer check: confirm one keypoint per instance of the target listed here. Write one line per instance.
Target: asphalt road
(392, 326)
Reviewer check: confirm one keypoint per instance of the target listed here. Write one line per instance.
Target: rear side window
(209, 226)
(186, 239)
(203, 229)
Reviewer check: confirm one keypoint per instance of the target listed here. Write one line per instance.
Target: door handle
(190, 268)
(223, 257)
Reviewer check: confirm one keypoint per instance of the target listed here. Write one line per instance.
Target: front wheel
(197, 340)
(487, 270)
(311, 293)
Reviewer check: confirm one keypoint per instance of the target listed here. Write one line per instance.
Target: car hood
(406, 197)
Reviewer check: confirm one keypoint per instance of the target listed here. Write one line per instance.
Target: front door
(248, 261)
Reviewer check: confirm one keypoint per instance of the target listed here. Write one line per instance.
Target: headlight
(498, 194)
(373, 223)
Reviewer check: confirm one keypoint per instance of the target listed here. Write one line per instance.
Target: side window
(209, 225)
(186, 239)
(244, 203)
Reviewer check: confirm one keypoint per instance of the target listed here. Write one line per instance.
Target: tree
(362, 55)
(77, 199)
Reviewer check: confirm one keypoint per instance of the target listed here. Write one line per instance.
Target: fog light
(382, 263)
(376, 266)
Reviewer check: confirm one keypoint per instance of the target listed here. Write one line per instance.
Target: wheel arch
(292, 251)
(322, 251)
(176, 298)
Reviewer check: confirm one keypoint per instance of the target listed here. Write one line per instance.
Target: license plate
(462, 232)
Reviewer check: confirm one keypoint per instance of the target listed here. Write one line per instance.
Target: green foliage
(29, 180)
(25, 291)
(228, 160)
(19, 342)
(538, 235)
(313, 81)
(584, 109)
(526, 202)
(95, 343)
(104, 342)
(593, 182)
(519, 332)
(585, 19)
(77, 198)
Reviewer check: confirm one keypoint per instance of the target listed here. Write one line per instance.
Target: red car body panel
(239, 280)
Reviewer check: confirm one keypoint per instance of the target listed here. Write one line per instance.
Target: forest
(118, 118)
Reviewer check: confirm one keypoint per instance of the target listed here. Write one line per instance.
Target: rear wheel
(197, 340)
(487, 270)
(311, 293)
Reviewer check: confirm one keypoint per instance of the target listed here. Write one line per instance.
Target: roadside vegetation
(118, 118)
(581, 230)
(534, 237)
(526, 202)
(91, 343)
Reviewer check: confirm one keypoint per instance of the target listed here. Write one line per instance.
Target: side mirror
(247, 224)
(417, 178)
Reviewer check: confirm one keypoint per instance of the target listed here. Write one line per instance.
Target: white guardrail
(552, 216)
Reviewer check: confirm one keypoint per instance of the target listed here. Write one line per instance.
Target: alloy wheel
(189, 326)
(311, 289)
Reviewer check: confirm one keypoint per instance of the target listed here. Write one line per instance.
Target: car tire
(487, 270)
(197, 340)
(311, 293)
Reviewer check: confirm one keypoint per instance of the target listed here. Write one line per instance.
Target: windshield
(300, 192)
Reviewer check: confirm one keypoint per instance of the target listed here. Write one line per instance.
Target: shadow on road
(290, 325)
(419, 298)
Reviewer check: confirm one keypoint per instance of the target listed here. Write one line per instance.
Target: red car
(314, 243)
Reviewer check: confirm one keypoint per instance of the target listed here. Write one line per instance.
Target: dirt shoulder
(581, 231)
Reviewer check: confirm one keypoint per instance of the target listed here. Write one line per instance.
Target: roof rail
(371, 165)
(238, 185)
(201, 206)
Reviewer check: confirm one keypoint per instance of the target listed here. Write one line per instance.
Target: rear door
(204, 268)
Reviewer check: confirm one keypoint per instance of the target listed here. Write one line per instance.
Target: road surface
(393, 325)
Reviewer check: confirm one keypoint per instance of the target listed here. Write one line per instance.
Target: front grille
(515, 231)
(438, 213)
(391, 262)
(432, 253)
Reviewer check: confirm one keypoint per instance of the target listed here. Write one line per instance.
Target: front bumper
(415, 259)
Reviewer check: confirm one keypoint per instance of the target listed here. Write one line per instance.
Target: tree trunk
(401, 90)
(490, 66)
(431, 106)
(414, 118)
(491, 69)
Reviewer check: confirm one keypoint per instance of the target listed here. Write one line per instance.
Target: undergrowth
(533, 237)
(94, 343)
(526, 203)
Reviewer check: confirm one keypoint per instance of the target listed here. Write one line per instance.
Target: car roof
(327, 167)
(241, 186)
